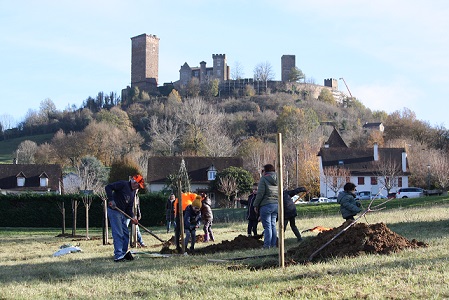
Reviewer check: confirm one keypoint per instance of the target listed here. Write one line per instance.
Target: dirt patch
(358, 239)
(241, 242)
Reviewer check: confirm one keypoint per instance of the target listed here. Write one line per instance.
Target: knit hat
(197, 202)
(139, 179)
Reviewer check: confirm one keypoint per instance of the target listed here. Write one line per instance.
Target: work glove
(112, 204)
(358, 203)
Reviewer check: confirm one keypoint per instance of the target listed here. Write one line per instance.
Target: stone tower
(288, 62)
(332, 83)
(145, 61)
(220, 67)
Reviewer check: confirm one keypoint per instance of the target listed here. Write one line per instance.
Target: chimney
(376, 152)
(404, 161)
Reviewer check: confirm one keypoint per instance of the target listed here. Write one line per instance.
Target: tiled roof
(360, 161)
(159, 167)
(32, 174)
(335, 140)
(374, 124)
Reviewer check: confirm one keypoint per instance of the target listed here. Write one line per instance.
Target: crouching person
(192, 217)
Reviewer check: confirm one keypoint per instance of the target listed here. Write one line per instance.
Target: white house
(369, 167)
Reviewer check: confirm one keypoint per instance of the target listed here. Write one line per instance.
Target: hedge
(34, 210)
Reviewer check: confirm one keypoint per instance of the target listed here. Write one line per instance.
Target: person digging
(120, 196)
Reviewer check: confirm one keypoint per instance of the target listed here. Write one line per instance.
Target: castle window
(218, 72)
(218, 63)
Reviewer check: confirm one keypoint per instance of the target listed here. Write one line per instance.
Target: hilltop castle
(145, 68)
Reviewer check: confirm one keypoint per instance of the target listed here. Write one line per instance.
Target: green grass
(7, 147)
(28, 270)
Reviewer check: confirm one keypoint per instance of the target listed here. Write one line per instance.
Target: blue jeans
(120, 233)
(268, 216)
(190, 235)
(139, 236)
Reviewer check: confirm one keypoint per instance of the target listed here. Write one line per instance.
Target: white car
(410, 192)
(319, 200)
(332, 199)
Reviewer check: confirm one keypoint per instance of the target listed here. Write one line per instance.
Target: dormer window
(211, 173)
(20, 179)
(43, 180)
(341, 163)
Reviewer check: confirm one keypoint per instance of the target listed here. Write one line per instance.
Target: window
(373, 180)
(360, 180)
(20, 181)
(211, 173)
(399, 181)
(43, 182)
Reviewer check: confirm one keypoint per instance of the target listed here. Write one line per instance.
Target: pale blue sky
(392, 53)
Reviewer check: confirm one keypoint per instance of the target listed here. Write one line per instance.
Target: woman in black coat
(290, 211)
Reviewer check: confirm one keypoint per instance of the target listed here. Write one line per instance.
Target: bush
(34, 210)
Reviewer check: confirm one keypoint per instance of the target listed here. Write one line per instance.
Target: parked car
(391, 195)
(410, 192)
(318, 200)
(332, 199)
(364, 195)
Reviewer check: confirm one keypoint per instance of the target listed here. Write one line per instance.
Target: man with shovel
(121, 196)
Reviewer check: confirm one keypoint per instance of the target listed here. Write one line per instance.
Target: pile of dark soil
(241, 242)
(358, 239)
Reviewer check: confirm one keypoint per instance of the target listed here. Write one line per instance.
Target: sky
(392, 54)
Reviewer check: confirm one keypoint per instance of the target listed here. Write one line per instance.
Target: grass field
(29, 271)
(7, 147)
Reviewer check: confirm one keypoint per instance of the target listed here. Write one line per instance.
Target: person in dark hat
(349, 207)
(192, 218)
(121, 195)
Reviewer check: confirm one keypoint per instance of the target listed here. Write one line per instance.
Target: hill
(7, 147)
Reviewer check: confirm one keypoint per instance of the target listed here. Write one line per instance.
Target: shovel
(140, 225)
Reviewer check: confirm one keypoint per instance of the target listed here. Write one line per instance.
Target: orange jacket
(187, 199)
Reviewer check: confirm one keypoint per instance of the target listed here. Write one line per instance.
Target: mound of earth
(358, 239)
(241, 242)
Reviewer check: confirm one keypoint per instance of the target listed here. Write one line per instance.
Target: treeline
(110, 128)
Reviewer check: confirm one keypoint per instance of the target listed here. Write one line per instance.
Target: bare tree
(87, 201)
(6, 122)
(164, 133)
(25, 152)
(92, 173)
(440, 170)
(237, 71)
(228, 186)
(198, 118)
(335, 177)
(263, 72)
(388, 172)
